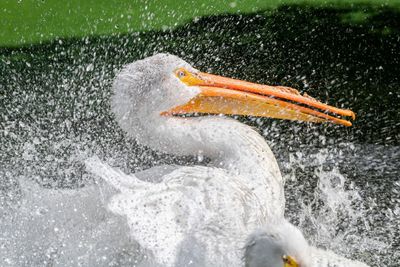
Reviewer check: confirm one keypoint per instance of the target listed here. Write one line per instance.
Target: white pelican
(230, 212)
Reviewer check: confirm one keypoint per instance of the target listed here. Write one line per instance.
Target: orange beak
(221, 95)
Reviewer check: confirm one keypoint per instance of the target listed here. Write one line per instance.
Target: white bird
(230, 212)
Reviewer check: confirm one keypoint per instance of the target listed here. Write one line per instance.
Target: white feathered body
(192, 217)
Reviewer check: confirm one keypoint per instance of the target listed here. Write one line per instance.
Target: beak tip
(353, 115)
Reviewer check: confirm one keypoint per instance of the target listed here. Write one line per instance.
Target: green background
(34, 21)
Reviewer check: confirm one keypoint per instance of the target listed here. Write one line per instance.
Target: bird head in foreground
(166, 85)
(277, 245)
(281, 244)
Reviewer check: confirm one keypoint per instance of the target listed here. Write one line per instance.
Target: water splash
(335, 213)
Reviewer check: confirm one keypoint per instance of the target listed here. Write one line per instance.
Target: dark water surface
(55, 112)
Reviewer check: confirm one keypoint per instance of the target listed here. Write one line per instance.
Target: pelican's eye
(188, 78)
(289, 261)
(181, 73)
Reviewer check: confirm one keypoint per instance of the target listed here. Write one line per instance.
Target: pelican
(230, 212)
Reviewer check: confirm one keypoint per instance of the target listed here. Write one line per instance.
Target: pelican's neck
(230, 145)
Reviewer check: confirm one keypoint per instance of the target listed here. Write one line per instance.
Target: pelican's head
(150, 86)
(281, 244)
(277, 245)
(165, 85)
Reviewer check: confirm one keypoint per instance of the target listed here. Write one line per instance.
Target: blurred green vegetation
(34, 21)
